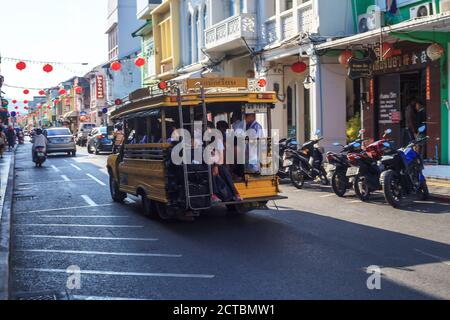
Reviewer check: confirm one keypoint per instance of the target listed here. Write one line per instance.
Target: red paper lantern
(118, 102)
(26, 91)
(78, 90)
(162, 85)
(14, 101)
(21, 65)
(345, 57)
(16, 107)
(57, 101)
(262, 83)
(62, 91)
(40, 107)
(48, 107)
(25, 101)
(299, 67)
(48, 68)
(139, 62)
(116, 66)
(26, 108)
(42, 93)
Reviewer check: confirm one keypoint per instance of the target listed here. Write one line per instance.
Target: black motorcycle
(339, 164)
(286, 147)
(403, 173)
(308, 164)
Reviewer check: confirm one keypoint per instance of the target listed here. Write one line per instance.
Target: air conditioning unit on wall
(370, 21)
(422, 10)
(444, 6)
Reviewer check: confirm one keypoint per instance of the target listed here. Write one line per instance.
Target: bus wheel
(148, 207)
(164, 212)
(116, 194)
(235, 210)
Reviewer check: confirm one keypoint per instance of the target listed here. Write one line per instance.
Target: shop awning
(71, 114)
(436, 23)
(195, 74)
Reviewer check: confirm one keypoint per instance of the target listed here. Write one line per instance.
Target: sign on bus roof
(194, 83)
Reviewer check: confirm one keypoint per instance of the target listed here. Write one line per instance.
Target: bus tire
(116, 194)
(148, 207)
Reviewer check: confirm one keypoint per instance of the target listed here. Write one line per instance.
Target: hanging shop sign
(411, 59)
(100, 85)
(360, 68)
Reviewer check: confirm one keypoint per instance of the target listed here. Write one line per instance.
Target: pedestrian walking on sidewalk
(11, 137)
(2, 142)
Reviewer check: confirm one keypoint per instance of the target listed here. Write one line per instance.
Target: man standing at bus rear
(255, 131)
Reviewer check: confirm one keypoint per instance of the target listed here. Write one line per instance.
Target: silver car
(60, 140)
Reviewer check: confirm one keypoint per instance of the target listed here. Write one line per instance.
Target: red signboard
(100, 85)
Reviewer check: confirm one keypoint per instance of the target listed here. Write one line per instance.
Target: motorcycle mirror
(422, 129)
(362, 131)
(357, 145)
(318, 132)
(387, 145)
(336, 144)
(388, 131)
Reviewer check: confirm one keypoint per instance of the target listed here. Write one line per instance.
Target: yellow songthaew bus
(151, 117)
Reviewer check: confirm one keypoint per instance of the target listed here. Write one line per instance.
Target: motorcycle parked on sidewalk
(285, 163)
(339, 164)
(40, 157)
(308, 164)
(404, 173)
(366, 171)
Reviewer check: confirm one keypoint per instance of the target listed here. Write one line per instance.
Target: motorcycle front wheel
(392, 188)
(362, 188)
(339, 183)
(297, 177)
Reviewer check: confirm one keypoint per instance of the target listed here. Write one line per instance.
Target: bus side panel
(149, 175)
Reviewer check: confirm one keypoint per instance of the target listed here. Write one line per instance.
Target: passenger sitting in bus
(223, 185)
(252, 165)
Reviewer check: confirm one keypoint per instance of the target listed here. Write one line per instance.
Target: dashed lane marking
(100, 253)
(51, 182)
(95, 179)
(98, 298)
(440, 259)
(83, 217)
(64, 209)
(327, 196)
(86, 238)
(65, 178)
(77, 225)
(89, 201)
(76, 167)
(55, 168)
(127, 274)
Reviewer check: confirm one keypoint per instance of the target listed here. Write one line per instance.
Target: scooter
(339, 164)
(40, 157)
(366, 170)
(308, 164)
(404, 173)
(286, 147)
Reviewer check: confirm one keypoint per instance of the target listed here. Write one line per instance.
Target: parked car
(83, 133)
(99, 141)
(60, 140)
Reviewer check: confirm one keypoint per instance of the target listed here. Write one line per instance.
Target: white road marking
(89, 201)
(129, 274)
(93, 217)
(99, 253)
(85, 238)
(50, 182)
(65, 178)
(76, 167)
(55, 168)
(440, 259)
(64, 209)
(96, 298)
(327, 196)
(77, 225)
(95, 179)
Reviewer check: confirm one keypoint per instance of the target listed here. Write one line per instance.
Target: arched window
(190, 46)
(197, 29)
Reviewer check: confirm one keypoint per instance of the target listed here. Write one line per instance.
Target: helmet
(39, 131)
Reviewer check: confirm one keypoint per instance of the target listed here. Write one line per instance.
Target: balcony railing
(290, 23)
(236, 27)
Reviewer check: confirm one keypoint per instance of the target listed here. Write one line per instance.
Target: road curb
(5, 232)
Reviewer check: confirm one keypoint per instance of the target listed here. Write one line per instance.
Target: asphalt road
(311, 246)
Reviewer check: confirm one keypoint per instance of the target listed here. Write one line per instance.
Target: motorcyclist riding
(39, 140)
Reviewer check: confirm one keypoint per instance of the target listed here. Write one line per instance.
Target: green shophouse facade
(410, 71)
(148, 53)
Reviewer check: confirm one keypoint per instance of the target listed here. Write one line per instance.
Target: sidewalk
(6, 190)
(439, 182)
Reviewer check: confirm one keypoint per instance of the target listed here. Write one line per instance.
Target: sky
(50, 30)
